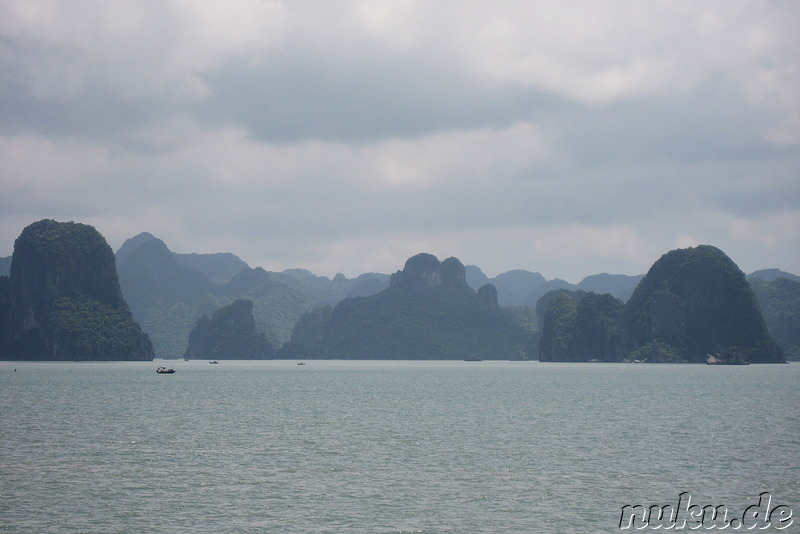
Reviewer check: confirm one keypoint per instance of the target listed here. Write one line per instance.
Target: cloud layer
(349, 135)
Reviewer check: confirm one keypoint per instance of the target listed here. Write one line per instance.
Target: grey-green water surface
(386, 446)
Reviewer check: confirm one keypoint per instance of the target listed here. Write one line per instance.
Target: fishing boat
(165, 370)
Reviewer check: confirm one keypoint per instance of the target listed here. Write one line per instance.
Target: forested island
(427, 312)
(692, 304)
(65, 296)
(62, 300)
(230, 334)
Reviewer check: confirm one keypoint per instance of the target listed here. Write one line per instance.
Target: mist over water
(386, 446)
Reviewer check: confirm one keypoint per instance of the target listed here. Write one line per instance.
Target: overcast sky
(565, 137)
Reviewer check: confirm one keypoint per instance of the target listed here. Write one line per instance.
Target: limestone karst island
(64, 295)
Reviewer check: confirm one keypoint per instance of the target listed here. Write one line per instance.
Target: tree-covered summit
(230, 334)
(64, 299)
(427, 312)
(692, 303)
(697, 301)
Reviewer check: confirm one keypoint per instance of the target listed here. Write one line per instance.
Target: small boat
(301, 363)
(215, 361)
(164, 370)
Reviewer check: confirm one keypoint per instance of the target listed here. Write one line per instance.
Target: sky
(568, 138)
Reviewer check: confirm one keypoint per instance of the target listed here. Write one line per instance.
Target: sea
(390, 446)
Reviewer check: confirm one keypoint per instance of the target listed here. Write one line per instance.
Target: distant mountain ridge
(770, 275)
(221, 267)
(524, 288)
(218, 267)
(167, 298)
(168, 292)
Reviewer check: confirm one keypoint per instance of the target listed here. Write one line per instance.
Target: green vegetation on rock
(558, 327)
(230, 334)
(698, 302)
(167, 294)
(579, 327)
(428, 312)
(307, 334)
(779, 300)
(597, 328)
(64, 299)
(691, 304)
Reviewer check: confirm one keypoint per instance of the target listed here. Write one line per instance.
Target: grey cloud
(755, 189)
(96, 110)
(92, 114)
(713, 122)
(303, 94)
(290, 143)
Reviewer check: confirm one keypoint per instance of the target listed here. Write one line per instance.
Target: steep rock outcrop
(167, 296)
(597, 329)
(779, 300)
(65, 301)
(307, 334)
(428, 312)
(487, 299)
(697, 302)
(5, 266)
(558, 326)
(230, 334)
(580, 327)
(5, 304)
(420, 272)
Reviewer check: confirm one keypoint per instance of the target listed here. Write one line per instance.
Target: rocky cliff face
(230, 334)
(597, 335)
(307, 334)
(581, 327)
(558, 326)
(697, 302)
(64, 298)
(167, 292)
(691, 304)
(428, 312)
(420, 272)
(779, 300)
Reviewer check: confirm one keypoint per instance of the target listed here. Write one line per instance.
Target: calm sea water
(386, 447)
